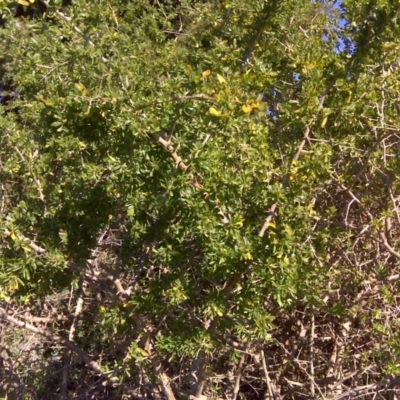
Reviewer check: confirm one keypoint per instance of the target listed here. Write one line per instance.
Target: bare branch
(391, 381)
(238, 377)
(55, 338)
(198, 375)
(201, 97)
(267, 378)
(312, 355)
(68, 352)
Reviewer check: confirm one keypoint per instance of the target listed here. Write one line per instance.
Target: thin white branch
(312, 355)
(238, 377)
(267, 378)
(68, 352)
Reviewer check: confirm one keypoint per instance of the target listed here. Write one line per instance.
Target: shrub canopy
(211, 187)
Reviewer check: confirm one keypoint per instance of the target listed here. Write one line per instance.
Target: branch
(267, 378)
(249, 51)
(32, 245)
(68, 352)
(292, 358)
(184, 167)
(345, 289)
(312, 353)
(391, 381)
(381, 233)
(76, 29)
(388, 247)
(198, 375)
(159, 368)
(55, 338)
(238, 377)
(286, 178)
(201, 97)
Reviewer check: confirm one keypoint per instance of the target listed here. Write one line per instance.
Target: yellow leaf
(255, 105)
(143, 352)
(80, 86)
(23, 2)
(246, 108)
(48, 103)
(13, 236)
(13, 286)
(221, 79)
(324, 121)
(272, 224)
(4, 297)
(214, 112)
(206, 73)
(289, 230)
(188, 68)
(248, 256)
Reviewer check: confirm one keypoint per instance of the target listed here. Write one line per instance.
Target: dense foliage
(200, 199)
